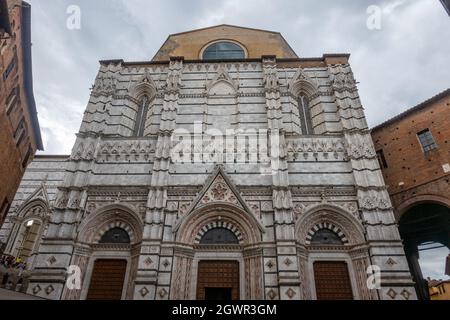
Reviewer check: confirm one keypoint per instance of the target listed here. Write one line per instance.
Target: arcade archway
(424, 222)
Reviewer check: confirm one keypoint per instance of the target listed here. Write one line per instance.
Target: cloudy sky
(397, 65)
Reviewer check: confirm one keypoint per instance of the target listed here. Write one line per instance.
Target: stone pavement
(14, 295)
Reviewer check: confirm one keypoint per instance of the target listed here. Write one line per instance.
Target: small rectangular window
(12, 99)
(381, 159)
(19, 128)
(4, 209)
(426, 140)
(9, 69)
(20, 132)
(27, 157)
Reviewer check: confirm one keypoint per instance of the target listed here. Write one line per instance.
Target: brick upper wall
(406, 160)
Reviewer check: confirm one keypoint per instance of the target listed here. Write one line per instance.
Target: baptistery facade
(227, 167)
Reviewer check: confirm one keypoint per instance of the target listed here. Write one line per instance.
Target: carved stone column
(56, 250)
(385, 246)
(149, 261)
(287, 262)
(182, 274)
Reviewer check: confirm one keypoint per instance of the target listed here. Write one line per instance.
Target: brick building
(19, 128)
(439, 289)
(413, 150)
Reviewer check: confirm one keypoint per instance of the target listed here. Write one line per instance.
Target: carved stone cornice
(318, 191)
(183, 250)
(126, 150)
(111, 247)
(218, 247)
(371, 203)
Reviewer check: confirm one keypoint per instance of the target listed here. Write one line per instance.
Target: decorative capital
(269, 59)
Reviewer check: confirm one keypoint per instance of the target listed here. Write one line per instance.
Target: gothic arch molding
(221, 87)
(326, 225)
(108, 217)
(145, 86)
(221, 84)
(112, 225)
(302, 84)
(303, 87)
(27, 210)
(37, 212)
(328, 213)
(219, 224)
(218, 213)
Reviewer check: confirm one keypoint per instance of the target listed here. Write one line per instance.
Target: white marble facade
(117, 176)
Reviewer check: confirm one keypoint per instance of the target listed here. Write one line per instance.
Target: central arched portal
(423, 223)
(217, 256)
(218, 279)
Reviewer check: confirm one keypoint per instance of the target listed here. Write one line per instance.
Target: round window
(223, 50)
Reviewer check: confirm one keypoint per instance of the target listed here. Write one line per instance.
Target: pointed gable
(222, 84)
(219, 189)
(38, 200)
(301, 82)
(39, 194)
(145, 85)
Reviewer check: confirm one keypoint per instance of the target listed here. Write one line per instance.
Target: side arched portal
(107, 252)
(330, 246)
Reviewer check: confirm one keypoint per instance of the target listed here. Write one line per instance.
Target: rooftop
(418, 107)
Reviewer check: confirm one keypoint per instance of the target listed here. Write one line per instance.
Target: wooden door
(332, 280)
(107, 279)
(218, 280)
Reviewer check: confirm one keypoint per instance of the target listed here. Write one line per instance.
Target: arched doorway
(107, 252)
(108, 275)
(425, 222)
(331, 254)
(218, 279)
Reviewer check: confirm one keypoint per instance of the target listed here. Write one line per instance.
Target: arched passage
(423, 222)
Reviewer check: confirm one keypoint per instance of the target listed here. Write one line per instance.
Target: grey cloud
(432, 263)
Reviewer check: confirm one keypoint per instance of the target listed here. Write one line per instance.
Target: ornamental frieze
(375, 203)
(126, 151)
(314, 147)
(361, 151)
(105, 84)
